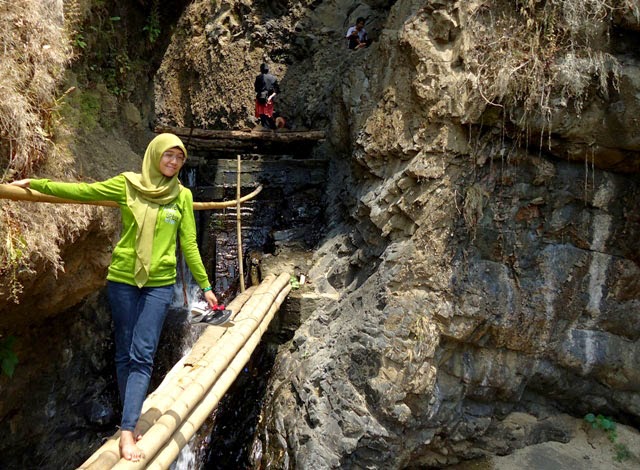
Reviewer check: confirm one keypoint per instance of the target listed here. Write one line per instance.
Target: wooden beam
(250, 135)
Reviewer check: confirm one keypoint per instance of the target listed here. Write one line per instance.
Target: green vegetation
(152, 28)
(12, 259)
(608, 426)
(79, 41)
(81, 109)
(89, 110)
(8, 358)
(216, 223)
(115, 74)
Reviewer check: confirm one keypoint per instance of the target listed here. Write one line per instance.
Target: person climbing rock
(266, 87)
(357, 35)
(156, 210)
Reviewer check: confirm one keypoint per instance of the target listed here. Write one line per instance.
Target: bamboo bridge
(173, 413)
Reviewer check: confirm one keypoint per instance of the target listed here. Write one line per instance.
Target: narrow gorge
(471, 223)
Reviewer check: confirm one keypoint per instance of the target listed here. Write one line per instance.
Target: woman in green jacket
(156, 209)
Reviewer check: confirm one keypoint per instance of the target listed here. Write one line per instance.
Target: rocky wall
(479, 275)
(467, 273)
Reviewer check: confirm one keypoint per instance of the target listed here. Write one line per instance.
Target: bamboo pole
(198, 416)
(165, 426)
(185, 396)
(239, 224)
(156, 404)
(15, 193)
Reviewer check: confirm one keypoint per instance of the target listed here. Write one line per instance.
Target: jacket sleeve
(113, 189)
(188, 242)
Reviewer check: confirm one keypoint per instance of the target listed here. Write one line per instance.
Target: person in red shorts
(266, 88)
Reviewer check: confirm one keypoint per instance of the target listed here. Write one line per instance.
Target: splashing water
(191, 176)
(187, 458)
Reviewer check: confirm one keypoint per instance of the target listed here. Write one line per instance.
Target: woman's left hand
(21, 183)
(211, 298)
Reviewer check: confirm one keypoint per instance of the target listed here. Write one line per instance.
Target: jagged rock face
(473, 278)
(206, 78)
(470, 277)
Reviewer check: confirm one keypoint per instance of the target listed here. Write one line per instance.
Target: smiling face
(171, 162)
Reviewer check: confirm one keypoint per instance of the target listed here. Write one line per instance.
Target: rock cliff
(482, 229)
(479, 274)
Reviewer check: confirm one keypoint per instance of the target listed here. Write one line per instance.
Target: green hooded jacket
(173, 219)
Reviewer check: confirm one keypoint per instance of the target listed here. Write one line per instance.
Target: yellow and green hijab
(146, 192)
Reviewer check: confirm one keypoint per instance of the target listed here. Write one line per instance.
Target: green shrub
(608, 426)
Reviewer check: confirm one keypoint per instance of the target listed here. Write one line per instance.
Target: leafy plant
(608, 425)
(12, 254)
(8, 357)
(152, 28)
(622, 452)
(79, 41)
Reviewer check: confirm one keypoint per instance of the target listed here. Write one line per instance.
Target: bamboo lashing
(15, 193)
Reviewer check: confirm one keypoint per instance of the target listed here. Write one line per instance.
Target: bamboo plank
(16, 193)
(234, 341)
(183, 434)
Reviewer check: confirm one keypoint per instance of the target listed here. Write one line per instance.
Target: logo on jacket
(171, 214)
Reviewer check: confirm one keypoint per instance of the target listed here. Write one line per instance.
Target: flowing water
(226, 439)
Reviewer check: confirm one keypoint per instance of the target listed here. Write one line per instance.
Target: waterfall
(187, 458)
(190, 176)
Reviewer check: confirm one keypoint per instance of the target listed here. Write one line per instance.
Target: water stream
(225, 440)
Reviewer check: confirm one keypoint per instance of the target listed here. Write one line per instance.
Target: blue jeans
(138, 315)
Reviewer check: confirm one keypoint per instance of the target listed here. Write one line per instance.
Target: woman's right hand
(211, 298)
(21, 183)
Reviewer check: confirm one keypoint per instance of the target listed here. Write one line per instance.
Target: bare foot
(128, 448)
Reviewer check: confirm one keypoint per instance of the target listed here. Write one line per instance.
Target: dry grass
(35, 48)
(30, 239)
(535, 53)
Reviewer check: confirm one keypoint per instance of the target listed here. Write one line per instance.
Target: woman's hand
(21, 183)
(211, 298)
